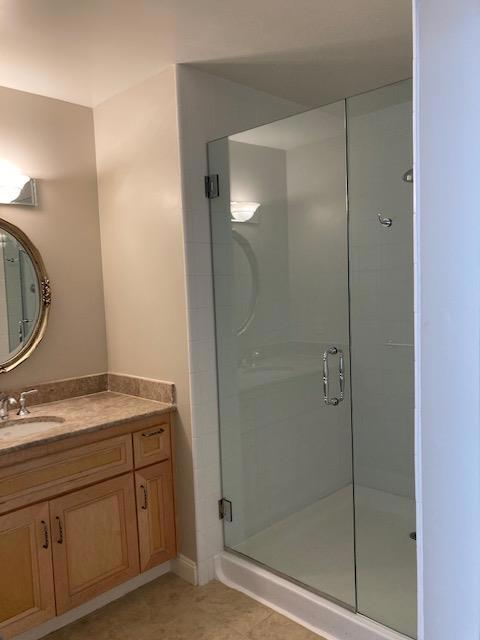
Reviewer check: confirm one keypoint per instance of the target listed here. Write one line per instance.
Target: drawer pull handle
(45, 534)
(60, 530)
(145, 497)
(158, 432)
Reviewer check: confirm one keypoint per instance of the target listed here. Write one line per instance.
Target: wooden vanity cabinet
(94, 540)
(40, 478)
(152, 444)
(104, 511)
(155, 513)
(26, 574)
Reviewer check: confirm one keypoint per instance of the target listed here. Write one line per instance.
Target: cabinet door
(26, 574)
(95, 543)
(156, 515)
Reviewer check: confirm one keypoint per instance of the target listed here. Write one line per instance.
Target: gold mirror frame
(44, 302)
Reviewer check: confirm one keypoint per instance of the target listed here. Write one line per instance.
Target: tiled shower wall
(208, 108)
(258, 173)
(381, 288)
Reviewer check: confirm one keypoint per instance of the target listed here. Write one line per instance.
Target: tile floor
(171, 609)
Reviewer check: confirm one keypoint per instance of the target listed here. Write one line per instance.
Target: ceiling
(296, 131)
(308, 51)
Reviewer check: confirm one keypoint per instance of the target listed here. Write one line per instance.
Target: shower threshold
(322, 616)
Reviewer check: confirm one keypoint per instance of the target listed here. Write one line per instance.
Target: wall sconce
(243, 211)
(15, 187)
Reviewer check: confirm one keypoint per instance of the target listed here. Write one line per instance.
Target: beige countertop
(80, 415)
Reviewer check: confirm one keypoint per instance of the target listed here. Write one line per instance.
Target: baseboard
(97, 603)
(185, 569)
(321, 616)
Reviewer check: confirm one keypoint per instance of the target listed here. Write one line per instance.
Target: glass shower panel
(379, 126)
(281, 303)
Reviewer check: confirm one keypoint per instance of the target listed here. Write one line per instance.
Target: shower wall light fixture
(15, 187)
(243, 211)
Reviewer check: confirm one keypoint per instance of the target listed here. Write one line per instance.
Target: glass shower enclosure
(312, 243)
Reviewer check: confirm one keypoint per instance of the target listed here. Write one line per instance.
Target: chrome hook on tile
(386, 222)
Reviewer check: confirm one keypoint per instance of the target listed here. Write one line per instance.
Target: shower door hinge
(225, 510)
(212, 189)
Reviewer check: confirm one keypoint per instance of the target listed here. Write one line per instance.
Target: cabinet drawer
(35, 480)
(152, 445)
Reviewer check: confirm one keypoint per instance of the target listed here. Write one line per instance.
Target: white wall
(142, 251)
(447, 138)
(209, 108)
(53, 141)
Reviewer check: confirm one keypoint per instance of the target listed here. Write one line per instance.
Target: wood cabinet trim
(63, 471)
(152, 444)
(42, 569)
(67, 594)
(155, 514)
(78, 439)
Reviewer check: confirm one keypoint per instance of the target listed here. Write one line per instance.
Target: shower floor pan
(312, 547)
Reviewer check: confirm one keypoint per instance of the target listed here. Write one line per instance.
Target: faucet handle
(23, 411)
(6, 402)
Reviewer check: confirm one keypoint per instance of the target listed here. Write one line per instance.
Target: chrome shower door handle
(331, 351)
(341, 374)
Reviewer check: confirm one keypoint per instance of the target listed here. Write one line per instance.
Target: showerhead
(408, 176)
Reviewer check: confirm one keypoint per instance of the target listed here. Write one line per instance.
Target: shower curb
(325, 618)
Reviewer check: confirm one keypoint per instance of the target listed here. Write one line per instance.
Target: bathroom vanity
(86, 502)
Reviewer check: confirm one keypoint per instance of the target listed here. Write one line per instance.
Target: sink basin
(26, 426)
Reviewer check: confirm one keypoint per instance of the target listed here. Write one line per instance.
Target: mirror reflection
(19, 296)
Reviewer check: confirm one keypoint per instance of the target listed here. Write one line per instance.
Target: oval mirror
(24, 297)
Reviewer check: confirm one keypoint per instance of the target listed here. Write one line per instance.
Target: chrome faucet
(23, 411)
(5, 403)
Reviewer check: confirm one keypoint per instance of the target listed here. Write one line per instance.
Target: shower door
(314, 340)
(281, 301)
(380, 195)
